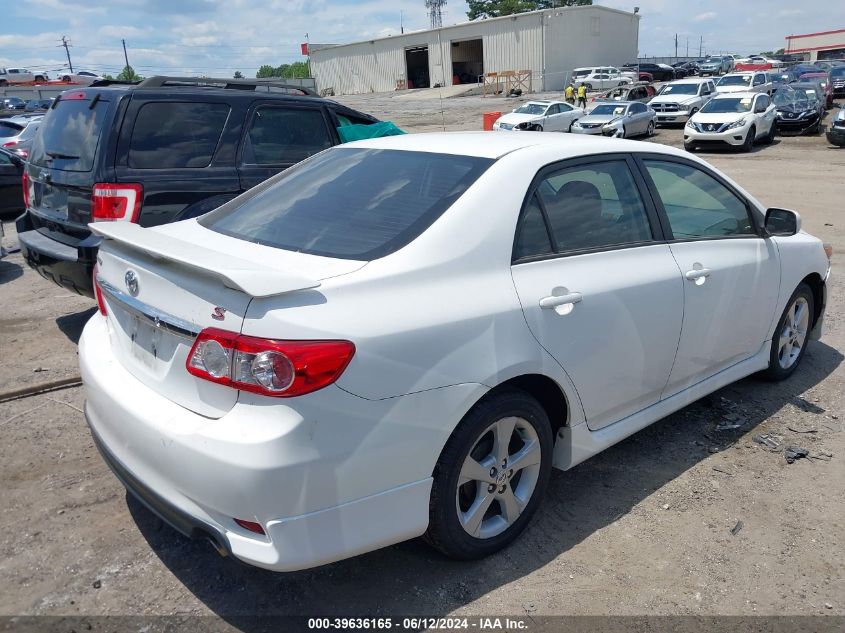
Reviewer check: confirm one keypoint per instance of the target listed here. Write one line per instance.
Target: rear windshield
(69, 134)
(350, 203)
(8, 129)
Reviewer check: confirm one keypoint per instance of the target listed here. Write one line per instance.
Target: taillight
(267, 366)
(98, 292)
(116, 201)
(25, 187)
(252, 526)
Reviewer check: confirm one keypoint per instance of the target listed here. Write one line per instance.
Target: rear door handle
(560, 300)
(692, 275)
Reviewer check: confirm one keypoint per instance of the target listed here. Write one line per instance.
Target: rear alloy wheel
(650, 130)
(748, 145)
(790, 339)
(491, 476)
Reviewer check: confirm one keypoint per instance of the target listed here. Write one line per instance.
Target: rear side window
(70, 134)
(173, 135)
(284, 136)
(350, 203)
(9, 129)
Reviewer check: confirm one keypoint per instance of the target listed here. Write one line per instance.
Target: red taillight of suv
(266, 366)
(25, 187)
(116, 201)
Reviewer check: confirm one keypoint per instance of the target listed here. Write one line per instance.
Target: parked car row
(14, 76)
(154, 153)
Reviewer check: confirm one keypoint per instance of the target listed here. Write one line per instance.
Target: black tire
(66, 78)
(748, 145)
(445, 531)
(690, 147)
(776, 371)
(650, 129)
(537, 128)
(570, 125)
(3, 82)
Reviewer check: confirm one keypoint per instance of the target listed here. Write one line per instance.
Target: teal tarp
(357, 132)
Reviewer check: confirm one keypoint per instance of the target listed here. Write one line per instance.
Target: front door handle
(560, 300)
(700, 273)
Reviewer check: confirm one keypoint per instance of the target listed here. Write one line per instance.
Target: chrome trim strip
(158, 318)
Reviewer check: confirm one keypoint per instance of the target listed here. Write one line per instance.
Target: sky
(218, 37)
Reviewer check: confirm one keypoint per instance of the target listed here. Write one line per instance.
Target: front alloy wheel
(491, 476)
(790, 340)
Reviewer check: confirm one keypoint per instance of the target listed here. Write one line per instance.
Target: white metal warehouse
(549, 43)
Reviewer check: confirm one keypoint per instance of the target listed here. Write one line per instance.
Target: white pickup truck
(678, 100)
(9, 76)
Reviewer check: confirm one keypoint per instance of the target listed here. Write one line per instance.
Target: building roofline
(792, 37)
(480, 22)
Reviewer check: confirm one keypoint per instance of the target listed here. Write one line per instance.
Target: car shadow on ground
(9, 271)
(579, 502)
(71, 324)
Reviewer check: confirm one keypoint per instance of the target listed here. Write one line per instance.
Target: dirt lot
(644, 528)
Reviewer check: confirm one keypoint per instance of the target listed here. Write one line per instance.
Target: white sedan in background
(83, 77)
(540, 116)
(402, 336)
(739, 119)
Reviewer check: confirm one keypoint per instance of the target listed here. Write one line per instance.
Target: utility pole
(401, 23)
(687, 46)
(700, 44)
(125, 56)
(676, 47)
(66, 43)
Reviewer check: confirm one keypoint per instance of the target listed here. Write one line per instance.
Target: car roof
(691, 80)
(497, 144)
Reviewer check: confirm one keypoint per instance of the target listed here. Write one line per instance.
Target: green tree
(238, 74)
(265, 71)
(128, 74)
(284, 71)
(497, 8)
(108, 76)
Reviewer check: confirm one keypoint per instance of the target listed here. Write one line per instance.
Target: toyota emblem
(131, 280)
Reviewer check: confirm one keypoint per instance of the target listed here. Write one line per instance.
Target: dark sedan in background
(659, 72)
(11, 172)
(800, 108)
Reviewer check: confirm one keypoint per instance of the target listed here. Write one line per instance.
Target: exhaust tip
(216, 545)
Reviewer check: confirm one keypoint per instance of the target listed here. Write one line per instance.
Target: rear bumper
(328, 475)
(68, 266)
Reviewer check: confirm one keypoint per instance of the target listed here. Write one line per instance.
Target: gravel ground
(682, 518)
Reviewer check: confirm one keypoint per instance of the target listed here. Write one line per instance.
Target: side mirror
(782, 222)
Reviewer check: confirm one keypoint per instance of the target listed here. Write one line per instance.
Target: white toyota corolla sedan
(401, 337)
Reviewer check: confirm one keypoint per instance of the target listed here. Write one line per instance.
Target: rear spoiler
(252, 278)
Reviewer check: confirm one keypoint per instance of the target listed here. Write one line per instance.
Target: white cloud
(707, 15)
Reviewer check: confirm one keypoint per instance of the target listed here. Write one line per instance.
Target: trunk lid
(161, 289)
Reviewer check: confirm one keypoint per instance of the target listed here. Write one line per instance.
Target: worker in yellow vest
(569, 94)
(582, 96)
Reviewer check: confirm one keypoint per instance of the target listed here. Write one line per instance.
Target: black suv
(163, 150)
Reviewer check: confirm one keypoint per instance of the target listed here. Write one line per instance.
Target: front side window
(585, 207)
(176, 135)
(350, 203)
(281, 136)
(696, 204)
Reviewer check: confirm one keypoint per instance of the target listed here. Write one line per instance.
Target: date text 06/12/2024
(419, 624)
